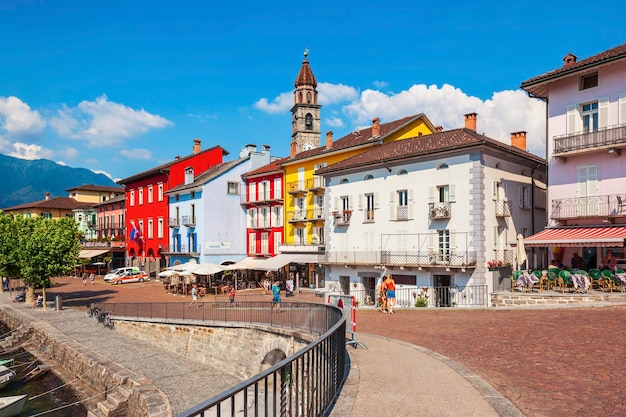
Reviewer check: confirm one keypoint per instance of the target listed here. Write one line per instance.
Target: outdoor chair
(596, 278)
(618, 281)
(539, 284)
(607, 280)
(564, 280)
(514, 276)
(553, 275)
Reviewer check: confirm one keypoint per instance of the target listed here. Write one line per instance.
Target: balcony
(188, 221)
(180, 249)
(579, 141)
(604, 206)
(404, 258)
(341, 218)
(261, 224)
(316, 185)
(296, 188)
(296, 216)
(503, 208)
(91, 224)
(173, 222)
(260, 199)
(315, 214)
(439, 210)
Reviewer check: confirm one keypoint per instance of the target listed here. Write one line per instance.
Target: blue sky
(122, 86)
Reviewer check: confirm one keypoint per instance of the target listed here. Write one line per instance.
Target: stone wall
(551, 298)
(238, 351)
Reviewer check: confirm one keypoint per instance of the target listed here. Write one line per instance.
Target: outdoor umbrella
(207, 269)
(521, 251)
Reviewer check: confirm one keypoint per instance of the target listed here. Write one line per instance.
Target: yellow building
(304, 192)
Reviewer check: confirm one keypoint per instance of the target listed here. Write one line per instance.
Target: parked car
(131, 276)
(116, 273)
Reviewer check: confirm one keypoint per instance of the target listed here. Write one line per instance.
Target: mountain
(27, 181)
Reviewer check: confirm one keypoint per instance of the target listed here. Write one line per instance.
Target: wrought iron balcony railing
(503, 208)
(174, 222)
(341, 218)
(607, 136)
(588, 207)
(188, 220)
(439, 210)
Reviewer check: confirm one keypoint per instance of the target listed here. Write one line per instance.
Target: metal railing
(611, 135)
(440, 210)
(188, 220)
(503, 208)
(595, 206)
(304, 384)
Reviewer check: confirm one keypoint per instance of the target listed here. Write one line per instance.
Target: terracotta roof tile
(305, 76)
(92, 187)
(423, 145)
(66, 203)
(619, 52)
(265, 169)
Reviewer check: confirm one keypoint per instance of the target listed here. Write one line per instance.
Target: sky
(120, 87)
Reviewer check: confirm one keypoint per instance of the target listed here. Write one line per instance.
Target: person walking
(92, 278)
(84, 278)
(194, 296)
(276, 296)
(231, 296)
(390, 286)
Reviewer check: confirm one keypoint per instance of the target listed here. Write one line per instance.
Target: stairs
(115, 404)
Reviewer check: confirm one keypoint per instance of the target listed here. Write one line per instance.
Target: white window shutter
(360, 201)
(494, 190)
(431, 194)
(411, 203)
(432, 241)
(452, 189)
(603, 112)
(392, 196)
(376, 201)
(572, 115)
(622, 108)
(393, 212)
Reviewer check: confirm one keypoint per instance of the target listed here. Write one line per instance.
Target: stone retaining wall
(520, 299)
(239, 351)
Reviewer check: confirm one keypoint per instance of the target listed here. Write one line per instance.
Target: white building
(432, 210)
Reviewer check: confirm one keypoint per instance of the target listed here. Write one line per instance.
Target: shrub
(421, 301)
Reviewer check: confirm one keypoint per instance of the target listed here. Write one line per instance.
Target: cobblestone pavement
(548, 362)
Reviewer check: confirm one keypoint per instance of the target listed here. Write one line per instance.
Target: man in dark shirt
(578, 262)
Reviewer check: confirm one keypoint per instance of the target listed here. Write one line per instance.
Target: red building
(263, 201)
(147, 206)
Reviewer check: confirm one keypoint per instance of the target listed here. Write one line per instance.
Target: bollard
(58, 303)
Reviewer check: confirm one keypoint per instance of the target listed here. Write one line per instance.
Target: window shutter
(431, 194)
(393, 213)
(622, 108)
(411, 203)
(494, 190)
(376, 202)
(392, 196)
(432, 241)
(249, 217)
(495, 236)
(452, 193)
(337, 204)
(603, 112)
(360, 201)
(571, 118)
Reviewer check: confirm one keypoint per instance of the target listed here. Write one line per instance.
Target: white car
(131, 276)
(116, 273)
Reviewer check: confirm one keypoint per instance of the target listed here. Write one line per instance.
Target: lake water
(41, 400)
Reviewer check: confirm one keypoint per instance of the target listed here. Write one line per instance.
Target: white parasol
(521, 251)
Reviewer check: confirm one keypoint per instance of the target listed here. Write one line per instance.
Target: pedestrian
(390, 286)
(382, 297)
(289, 288)
(231, 296)
(276, 296)
(5, 283)
(84, 278)
(194, 296)
(92, 278)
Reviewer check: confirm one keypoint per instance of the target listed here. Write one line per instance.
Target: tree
(48, 248)
(11, 228)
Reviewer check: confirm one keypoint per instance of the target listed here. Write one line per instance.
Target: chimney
(569, 59)
(439, 128)
(376, 127)
(294, 148)
(329, 139)
(265, 148)
(196, 146)
(470, 121)
(518, 139)
(47, 196)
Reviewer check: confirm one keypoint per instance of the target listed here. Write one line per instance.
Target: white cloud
(99, 171)
(62, 163)
(380, 84)
(104, 123)
(202, 118)
(24, 151)
(18, 119)
(280, 104)
(505, 112)
(137, 153)
(334, 122)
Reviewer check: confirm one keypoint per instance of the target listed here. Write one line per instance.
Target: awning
(283, 259)
(578, 237)
(246, 263)
(90, 253)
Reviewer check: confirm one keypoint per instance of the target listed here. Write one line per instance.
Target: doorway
(442, 290)
(344, 283)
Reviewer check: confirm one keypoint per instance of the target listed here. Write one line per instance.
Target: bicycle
(106, 320)
(91, 311)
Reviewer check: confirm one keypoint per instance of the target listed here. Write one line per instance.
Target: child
(231, 296)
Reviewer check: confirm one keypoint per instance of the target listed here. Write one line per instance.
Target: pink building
(586, 127)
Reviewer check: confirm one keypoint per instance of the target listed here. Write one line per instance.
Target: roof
(92, 187)
(361, 137)
(208, 175)
(578, 237)
(64, 203)
(533, 85)
(165, 167)
(450, 140)
(272, 167)
(305, 76)
(113, 200)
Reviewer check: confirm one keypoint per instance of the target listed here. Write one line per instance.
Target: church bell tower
(305, 119)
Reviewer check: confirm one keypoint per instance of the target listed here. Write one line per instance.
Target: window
(160, 196)
(160, 228)
(232, 187)
(150, 229)
(402, 172)
(298, 236)
(343, 181)
(141, 196)
(590, 116)
(277, 216)
(252, 218)
(46, 215)
(264, 190)
(318, 235)
(308, 122)
(132, 198)
(278, 240)
(444, 245)
(588, 81)
(192, 194)
(252, 243)
(443, 165)
(265, 243)
(278, 188)
(524, 197)
(150, 196)
(369, 213)
(368, 177)
(345, 203)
